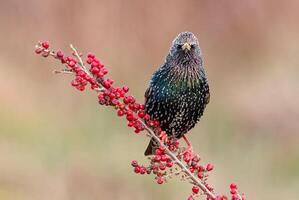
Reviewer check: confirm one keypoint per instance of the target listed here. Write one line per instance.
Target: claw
(163, 136)
(189, 148)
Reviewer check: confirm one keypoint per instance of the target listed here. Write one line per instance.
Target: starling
(178, 92)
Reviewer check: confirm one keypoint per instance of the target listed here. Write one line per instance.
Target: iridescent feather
(178, 92)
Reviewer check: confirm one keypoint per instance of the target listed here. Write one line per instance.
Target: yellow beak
(186, 46)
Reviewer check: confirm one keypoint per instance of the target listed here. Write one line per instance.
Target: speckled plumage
(178, 92)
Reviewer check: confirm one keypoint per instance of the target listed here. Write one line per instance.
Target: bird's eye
(179, 46)
(192, 46)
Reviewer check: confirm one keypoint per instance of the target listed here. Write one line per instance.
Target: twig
(106, 94)
(79, 59)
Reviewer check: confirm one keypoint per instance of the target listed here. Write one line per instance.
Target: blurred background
(57, 143)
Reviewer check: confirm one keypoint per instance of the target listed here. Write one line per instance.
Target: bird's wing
(205, 87)
(149, 90)
(207, 97)
(147, 94)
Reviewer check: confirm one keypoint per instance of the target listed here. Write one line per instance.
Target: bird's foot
(189, 148)
(163, 136)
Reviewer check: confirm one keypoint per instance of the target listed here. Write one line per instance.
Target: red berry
(233, 191)
(157, 158)
(142, 106)
(110, 81)
(200, 175)
(187, 158)
(141, 114)
(90, 55)
(147, 117)
(89, 60)
(200, 168)
(162, 148)
(95, 70)
(84, 82)
(142, 170)
(159, 151)
(131, 99)
(209, 167)
(106, 84)
(45, 54)
(45, 44)
(134, 163)
(94, 64)
(120, 112)
(162, 166)
(94, 86)
(104, 71)
(77, 69)
(81, 74)
(131, 107)
(125, 89)
(243, 197)
(176, 143)
(115, 102)
(233, 186)
(38, 50)
(136, 106)
(112, 95)
(191, 169)
(195, 189)
(164, 158)
(59, 54)
(150, 123)
(169, 164)
(137, 131)
(74, 83)
(235, 197)
(101, 96)
(130, 123)
(96, 60)
(72, 64)
(160, 180)
(130, 117)
(126, 100)
(155, 169)
(80, 87)
(156, 123)
(69, 58)
(137, 169)
(129, 112)
(63, 60)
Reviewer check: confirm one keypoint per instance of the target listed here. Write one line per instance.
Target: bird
(178, 91)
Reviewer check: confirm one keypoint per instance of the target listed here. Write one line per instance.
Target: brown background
(57, 143)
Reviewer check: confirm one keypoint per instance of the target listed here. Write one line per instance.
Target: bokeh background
(57, 143)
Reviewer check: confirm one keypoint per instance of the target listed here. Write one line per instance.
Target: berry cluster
(170, 159)
(82, 77)
(159, 163)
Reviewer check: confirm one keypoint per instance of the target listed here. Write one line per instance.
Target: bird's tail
(151, 148)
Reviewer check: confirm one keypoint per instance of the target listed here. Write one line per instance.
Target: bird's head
(185, 47)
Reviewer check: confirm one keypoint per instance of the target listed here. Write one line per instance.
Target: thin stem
(63, 72)
(76, 54)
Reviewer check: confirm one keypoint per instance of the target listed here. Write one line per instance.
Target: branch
(168, 154)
